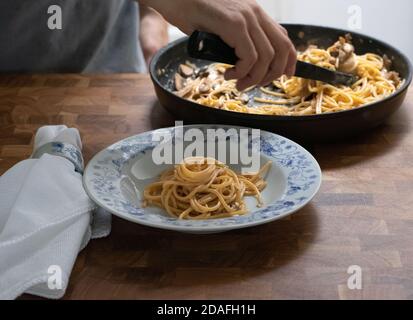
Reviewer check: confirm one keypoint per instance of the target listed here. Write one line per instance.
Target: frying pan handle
(208, 46)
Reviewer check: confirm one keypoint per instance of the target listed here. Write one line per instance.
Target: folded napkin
(46, 217)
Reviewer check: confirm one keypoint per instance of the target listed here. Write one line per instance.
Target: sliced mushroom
(186, 71)
(387, 63)
(394, 77)
(245, 98)
(215, 86)
(343, 51)
(190, 64)
(204, 88)
(179, 82)
(349, 65)
(221, 70)
(348, 48)
(184, 92)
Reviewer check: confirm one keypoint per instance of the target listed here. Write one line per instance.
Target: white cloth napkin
(46, 218)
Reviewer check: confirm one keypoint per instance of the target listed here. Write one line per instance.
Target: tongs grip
(207, 46)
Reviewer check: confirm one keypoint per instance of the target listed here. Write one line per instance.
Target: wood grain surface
(362, 216)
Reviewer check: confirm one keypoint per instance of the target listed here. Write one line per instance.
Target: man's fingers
(244, 83)
(291, 63)
(244, 49)
(265, 56)
(285, 54)
(264, 50)
(280, 63)
(284, 30)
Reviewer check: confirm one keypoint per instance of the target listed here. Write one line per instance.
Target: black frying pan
(313, 128)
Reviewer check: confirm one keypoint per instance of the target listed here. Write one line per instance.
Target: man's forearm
(262, 45)
(153, 33)
(150, 3)
(156, 4)
(145, 11)
(174, 11)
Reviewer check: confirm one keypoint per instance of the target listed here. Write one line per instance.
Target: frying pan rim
(260, 117)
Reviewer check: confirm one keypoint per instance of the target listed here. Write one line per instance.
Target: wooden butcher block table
(362, 216)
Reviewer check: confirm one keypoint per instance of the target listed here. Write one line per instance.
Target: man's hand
(264, 50)
(153, 32)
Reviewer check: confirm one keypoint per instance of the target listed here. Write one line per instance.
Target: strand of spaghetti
(273, 93)
(254, 191)
(280, 101)
(319, 108)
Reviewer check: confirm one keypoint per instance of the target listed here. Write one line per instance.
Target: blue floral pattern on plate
(103, 176)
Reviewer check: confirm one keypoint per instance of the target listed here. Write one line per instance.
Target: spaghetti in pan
(293, 96)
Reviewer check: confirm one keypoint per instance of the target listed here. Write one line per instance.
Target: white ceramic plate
(115, 179)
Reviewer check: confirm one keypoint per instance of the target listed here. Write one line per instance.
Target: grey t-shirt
(97, 36)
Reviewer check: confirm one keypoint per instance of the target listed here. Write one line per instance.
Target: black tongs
(207, 46)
